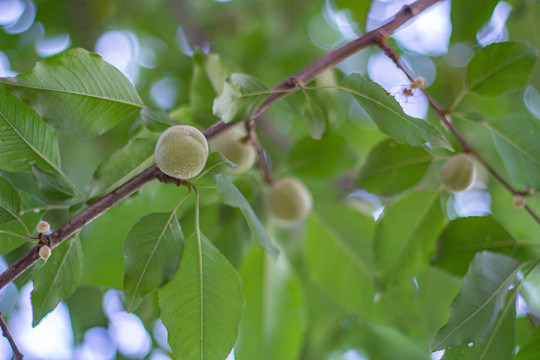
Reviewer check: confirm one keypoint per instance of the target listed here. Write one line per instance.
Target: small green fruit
(288, 201)
(457, 173)
(231, 146)
(181, 151)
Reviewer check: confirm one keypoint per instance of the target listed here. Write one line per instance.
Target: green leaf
(241, 96)
(359, 10)
(52, 186)
(77, 92)
(25, 139)
(338, 255)
(57, 279)
(391, 168)
(217, 164)
(463, 237)
(479, 301)
(10, 201)
(325, 158)
(388, 115)
(467, 18)
(405, 236)
(156, 119)
(500, 343)
(233, 197)
(517, 139)
(202, 305)
(209, 75)
(500, 67)
(274, 311)
(152, 253)
(125, 163)
(15, 233)
(531, 350)
(315, 116)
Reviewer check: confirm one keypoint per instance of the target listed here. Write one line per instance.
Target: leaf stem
(17, 355)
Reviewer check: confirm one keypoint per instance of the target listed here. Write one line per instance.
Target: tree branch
(17, 355)
(304, 76)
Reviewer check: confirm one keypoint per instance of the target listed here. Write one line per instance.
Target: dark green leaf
(152, 253)
(517, 139)
(391, 167)
(388, 115)
(77, 92)
(57, 279)
(463, 237)
(531, 350)
(468, 17)
(479, 301)
(52, 186)
(500, 67)
(24, 228)
(274, 311)
(241, 96)
(202, 305)
(233, 197)
(338, 255)
(124, 164)
(405, 236)
(25, 139)
(325, 158)
(10, 201)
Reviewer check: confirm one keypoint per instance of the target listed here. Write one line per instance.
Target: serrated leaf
(233, 197)
(517, 140)
(25, 139)
(241, 96)
(202, 305)
(391, 167)
(325, 158)
(10, 202)
(57, 279)
(500, 67)
(125, 163)
(152, 253)
(77, 92)
(274, 311)
(462, 238)
(405, 237)
(479, 301)
(217, 164)
(388, 115)
(467, 18)
(338, 255)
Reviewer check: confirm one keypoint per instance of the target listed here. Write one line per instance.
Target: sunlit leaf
(391, 167)
(405, 236)
(463, 237)
(479, 301)
(241, 96)
(77, 92)
(202, 305)
(274, 311)
(233, 197)
(57, 279)
(388, 115)
(500, 67)
(152, 253)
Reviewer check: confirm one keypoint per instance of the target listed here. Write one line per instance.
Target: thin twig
(17, 355)
(467, 148)
(261, 162)
(304, 76)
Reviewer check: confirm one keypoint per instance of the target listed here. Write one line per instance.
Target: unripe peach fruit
(288, 201)
(231, 146)
(457, 173)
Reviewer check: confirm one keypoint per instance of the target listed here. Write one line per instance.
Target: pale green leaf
(57, 279)
(479, 301)
(233, 197)
(152, 253)
(202, 305)
(391, 167)
(500, 67)
(77, 92)
(10, 201)
(274, 311)
(16, 233)
(405, 237)
(388, 115)
(217, 164)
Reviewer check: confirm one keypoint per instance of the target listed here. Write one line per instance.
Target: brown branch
(261, 161)
(17, 355)
(304, 76)
(467, 148)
